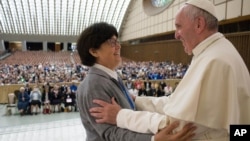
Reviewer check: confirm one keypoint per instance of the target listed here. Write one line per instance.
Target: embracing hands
(107, 113)
(167, 134)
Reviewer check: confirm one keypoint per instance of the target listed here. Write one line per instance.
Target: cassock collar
(206, 43)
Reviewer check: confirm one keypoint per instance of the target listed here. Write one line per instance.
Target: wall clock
(153, 7)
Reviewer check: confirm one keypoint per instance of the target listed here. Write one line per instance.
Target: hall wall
(138, 25)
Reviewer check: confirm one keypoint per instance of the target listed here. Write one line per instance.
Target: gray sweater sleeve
(103, 89)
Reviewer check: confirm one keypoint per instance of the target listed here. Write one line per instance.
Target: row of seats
(36, 57)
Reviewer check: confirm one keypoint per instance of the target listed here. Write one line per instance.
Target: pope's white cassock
(214, 93)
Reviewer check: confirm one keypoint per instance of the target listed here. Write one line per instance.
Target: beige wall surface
(139, 25)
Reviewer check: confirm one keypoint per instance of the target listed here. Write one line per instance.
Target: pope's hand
(167, 134)
(106, 113)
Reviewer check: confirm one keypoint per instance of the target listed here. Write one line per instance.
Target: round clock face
(161, 3)
(153, 7)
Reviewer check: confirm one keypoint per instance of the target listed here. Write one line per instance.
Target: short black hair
(92, 37)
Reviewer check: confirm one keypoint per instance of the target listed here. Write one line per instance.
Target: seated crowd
(148, 88)
(46, 98)
(49, 98)
(58, 72)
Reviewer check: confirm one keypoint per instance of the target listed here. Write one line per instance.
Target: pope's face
(185, 31)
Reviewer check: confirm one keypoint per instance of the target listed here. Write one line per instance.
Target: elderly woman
(23, 101)
(99, 49)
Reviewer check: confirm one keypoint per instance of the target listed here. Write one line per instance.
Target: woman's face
(108, 54)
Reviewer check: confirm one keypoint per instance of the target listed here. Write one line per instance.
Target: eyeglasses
(113, 42)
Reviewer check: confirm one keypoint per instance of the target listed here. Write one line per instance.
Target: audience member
(152, 90)
(133, 91)
(35, 100)
(46, 98)
(56, 98)
(147, 85)
(23, 101)
(159, 91)
(168, 90)
(142, 91)
(69, 100)
(73, 86)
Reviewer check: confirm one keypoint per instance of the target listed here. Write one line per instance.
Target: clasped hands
(107, 113)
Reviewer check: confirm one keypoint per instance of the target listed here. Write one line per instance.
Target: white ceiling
(58, 17)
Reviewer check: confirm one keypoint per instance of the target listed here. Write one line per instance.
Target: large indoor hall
(124, 70)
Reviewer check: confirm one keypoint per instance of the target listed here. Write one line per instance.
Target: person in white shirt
(168, 90)
(133, 91)
(213, 94)
(35, 100)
